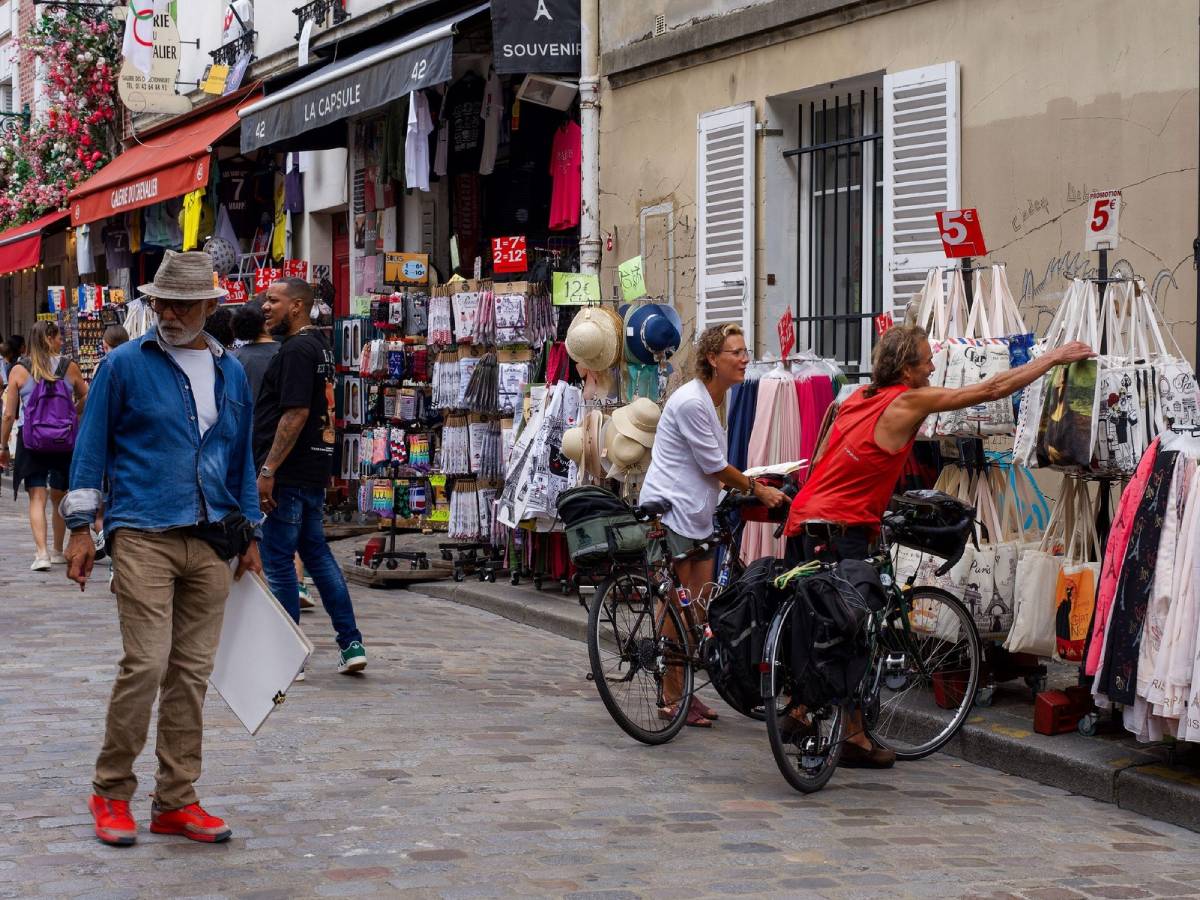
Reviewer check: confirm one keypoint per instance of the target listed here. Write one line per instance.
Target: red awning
(21, 247)
(167, 164)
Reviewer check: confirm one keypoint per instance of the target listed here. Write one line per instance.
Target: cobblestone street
(474, 759)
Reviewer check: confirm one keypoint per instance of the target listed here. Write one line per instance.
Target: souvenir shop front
(31, 256)
(463, 182)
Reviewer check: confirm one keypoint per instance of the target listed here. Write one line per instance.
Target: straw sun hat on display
(623, 455)
(581, 444)
(593, 339)
(638, 421)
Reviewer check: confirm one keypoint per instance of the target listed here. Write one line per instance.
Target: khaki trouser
(171, 590)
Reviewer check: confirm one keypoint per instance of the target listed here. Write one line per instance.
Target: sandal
(705, 710)
(694, 717)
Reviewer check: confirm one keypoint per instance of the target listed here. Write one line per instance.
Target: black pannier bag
(600, 527)
(740, 617)
(828, 639)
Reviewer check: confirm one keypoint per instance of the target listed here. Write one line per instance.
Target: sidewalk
(1111, 767)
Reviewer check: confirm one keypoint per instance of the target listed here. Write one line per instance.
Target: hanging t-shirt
(441, 156)
(416, 144)
(565, 171)
(83, 250)
(463, 105)
(200, 367)
(244, 190)
(192, 203)
(299, 376)
(116, 245)
(491, 113)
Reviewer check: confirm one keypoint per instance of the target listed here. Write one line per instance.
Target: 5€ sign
(961, 233)
(1104, 210)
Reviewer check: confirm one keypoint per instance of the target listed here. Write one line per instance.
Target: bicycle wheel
(632, 645)
(807, 752)
(924, 672)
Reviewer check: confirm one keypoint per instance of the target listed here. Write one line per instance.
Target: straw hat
(572, 445)
(651, 329)
(593, 425)
(184, 276)
(593, 340)
(638, 420)
(623, 456)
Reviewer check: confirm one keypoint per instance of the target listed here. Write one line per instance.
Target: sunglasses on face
(178, 307)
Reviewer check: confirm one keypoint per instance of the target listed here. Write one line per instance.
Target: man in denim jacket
(169, 424)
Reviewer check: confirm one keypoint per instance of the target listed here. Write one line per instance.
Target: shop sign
(350, 95)
(295, 268)
(1104, 211)
(405, 268)
(265, 277)
(157, 93)
(536, 36)
(961, 233)
(574, 289)
(508, 255)
(633, 279)
(215, 78)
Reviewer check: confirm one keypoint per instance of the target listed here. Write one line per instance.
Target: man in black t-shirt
(293, 447)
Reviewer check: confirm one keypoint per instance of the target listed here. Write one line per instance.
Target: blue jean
(295, 525)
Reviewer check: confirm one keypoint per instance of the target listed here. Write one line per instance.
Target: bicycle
(924, 656)
(639, 630)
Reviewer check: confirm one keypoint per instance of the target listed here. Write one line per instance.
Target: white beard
(180, 338)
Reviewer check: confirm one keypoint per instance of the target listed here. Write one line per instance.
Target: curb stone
(1109, 769)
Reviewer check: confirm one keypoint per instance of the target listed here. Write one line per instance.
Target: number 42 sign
(1103, 213)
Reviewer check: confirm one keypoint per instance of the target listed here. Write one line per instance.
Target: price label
(236, 290)
(574, 289)
(633, 279)
(883, 323)
(787, 333)
(1104, 210)
(295, 268)
(265, 277)
(508, 255)
(961, 233)
(360, 305)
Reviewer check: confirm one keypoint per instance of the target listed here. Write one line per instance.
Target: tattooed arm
(291, 423)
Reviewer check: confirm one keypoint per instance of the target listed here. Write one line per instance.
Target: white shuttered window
(920, 174)
(725, 219)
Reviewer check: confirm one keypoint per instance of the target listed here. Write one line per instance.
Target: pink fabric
(1114, 554)
(775, 438)
(814, 395)
(565, 169)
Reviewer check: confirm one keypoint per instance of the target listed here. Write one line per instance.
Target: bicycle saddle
(652, 509)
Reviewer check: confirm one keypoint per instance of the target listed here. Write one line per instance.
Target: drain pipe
(589, 111)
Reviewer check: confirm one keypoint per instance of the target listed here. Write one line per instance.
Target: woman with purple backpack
(44, 398)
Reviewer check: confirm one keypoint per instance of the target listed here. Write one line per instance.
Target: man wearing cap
(168, 424)
(688, 468)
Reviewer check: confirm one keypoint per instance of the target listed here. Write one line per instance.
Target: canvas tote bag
(1037, 580)
(1067, 431)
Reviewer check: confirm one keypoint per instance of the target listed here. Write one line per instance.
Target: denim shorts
(55, 479)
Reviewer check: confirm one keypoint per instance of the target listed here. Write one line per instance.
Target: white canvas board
(261, 652)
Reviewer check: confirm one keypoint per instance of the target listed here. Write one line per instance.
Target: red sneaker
(114, 822)
(191, 821)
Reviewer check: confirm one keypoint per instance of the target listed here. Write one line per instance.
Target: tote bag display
(978, 355)
(1067, 431)
(943, 318)
(1029, 418)
(1126, 384)
(1037, 582)
(1175, 392)
(1007, 321)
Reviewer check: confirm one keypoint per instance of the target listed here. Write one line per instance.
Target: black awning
(353, 86)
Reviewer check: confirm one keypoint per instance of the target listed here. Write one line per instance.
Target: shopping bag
(978, 355)
(1029, 418)
(1007, 322)
(1175, 393)
(1037, 575)
(1075, 587)
(942, 318)
(1067, 432)
(1123, 413)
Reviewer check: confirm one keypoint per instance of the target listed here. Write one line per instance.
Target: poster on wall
(532, 36)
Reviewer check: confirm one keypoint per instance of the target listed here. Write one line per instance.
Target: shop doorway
(341, 266)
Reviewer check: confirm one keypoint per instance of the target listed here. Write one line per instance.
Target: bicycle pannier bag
(739, 617)
(600, 527)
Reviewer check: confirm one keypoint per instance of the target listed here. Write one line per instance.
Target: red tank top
(854, 478)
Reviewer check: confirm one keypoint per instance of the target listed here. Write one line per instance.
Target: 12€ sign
(1104, 211)
(961, 233)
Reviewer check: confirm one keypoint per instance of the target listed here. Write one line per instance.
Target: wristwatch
(266, 472)
(753, 481)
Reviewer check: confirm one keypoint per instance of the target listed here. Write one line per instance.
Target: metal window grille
(839, 284)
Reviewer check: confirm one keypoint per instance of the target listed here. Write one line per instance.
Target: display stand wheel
(1087, 725)
(985, 695)
(393, 563)
(514, 579)
(537, 582)
(1036, 683)
(459, 575)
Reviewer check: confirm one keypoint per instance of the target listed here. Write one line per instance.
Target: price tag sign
(574, 289)
(265, 277)
(1103, 213)
(633, 279)
(883, 323)
(961, 233)
(508, 255)
(787, 333)
(237, 290)
(295, 268)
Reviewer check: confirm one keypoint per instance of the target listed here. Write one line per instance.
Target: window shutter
(920, 175)
(725, 220)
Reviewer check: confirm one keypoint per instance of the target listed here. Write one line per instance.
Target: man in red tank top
(837, 512)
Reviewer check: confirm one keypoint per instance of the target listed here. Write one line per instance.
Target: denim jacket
(140, 430)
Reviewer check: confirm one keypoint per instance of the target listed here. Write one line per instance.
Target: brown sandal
(694, 717)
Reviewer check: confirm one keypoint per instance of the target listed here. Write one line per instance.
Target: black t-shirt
(300, 375)
(463, 105)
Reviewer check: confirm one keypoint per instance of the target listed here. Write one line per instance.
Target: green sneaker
(352, 659)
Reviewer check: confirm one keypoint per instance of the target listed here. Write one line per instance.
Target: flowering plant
(79, 53)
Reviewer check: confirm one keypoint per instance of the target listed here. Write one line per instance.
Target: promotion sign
(155, 94)
(235, 290)
(1103, 214)
(531, 36)
(961, 233)
(295, 268)
(265, 277)
(786, 329)
(633, 279)
(509, 256)
(574, 289)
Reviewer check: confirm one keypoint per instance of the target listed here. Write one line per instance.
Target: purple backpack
(50, 418)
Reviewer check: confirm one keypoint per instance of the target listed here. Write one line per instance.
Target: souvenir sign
(508, 255)
(961, 233)
(406, 268)
(633, 279)
(1104, 211)
(574, 289)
